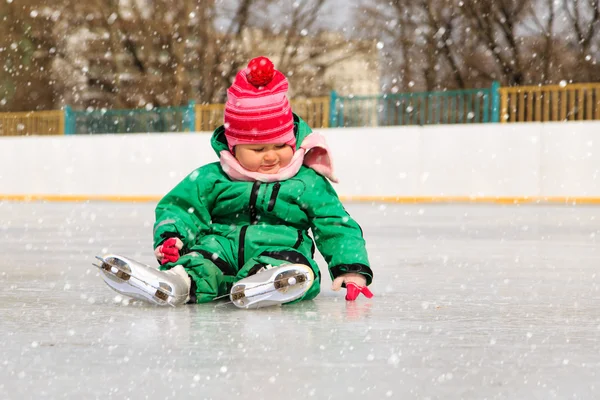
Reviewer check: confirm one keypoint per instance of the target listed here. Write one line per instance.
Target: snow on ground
(471, 302)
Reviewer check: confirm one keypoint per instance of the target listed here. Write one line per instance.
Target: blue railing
(160, 119)
(424, 108)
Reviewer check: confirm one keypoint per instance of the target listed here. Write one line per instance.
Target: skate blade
(282, 283)
(121, 271)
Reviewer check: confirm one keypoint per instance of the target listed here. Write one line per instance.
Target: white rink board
(480, 160)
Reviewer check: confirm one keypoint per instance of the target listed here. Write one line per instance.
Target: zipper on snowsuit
(274, 194)
(253, 221)
(252, 205)
(241, 250)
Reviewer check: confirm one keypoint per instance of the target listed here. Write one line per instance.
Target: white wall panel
(483, 160)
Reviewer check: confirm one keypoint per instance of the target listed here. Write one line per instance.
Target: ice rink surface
(471, 302)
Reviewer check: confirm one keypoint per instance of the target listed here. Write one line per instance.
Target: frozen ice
(468, 304)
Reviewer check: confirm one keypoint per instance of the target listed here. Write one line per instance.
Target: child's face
(264, 158)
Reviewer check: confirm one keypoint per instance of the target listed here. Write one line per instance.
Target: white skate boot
(137, 280)
(273, 286)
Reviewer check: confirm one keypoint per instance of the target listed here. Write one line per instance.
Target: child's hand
(355, 285)
(169, 250)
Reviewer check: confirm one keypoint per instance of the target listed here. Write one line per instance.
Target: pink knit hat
(257, 109)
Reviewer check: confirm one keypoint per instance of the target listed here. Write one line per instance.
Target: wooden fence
(575, 102)
(32, 123)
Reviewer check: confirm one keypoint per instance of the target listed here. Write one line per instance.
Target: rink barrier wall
(345, 199)
(482, 163)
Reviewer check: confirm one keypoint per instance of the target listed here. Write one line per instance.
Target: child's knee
(209, 279)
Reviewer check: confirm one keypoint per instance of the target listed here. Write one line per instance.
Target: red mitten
(355, 285)
(353, 290)
(168, 251)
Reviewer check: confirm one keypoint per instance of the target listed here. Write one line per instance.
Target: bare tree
(295, 36)
(441, 35)
(548, 31)
(495, 23)
(396, 26)
(146, 53)
(583, 17)
(445, 44)
(25, 52)
(423, 42)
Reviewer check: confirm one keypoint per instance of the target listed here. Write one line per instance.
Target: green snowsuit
(232, 228)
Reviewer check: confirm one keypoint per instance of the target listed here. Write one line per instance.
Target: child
(239, 227)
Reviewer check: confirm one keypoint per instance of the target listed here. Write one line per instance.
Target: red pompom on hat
(261, 71)
(257, 109)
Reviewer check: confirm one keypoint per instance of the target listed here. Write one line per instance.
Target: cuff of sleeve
(356, 268)
(164, 236)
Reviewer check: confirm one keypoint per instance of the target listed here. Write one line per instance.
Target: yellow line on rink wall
(77, 198)
(347, 199)
(470, 199)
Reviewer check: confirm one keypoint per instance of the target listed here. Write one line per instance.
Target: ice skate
(139, 281)
(272, 286)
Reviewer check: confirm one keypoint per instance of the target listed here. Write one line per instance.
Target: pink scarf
(314, 153)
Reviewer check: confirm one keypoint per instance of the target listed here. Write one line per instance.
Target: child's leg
(201, 275)
(208, 280)
(281, 256)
